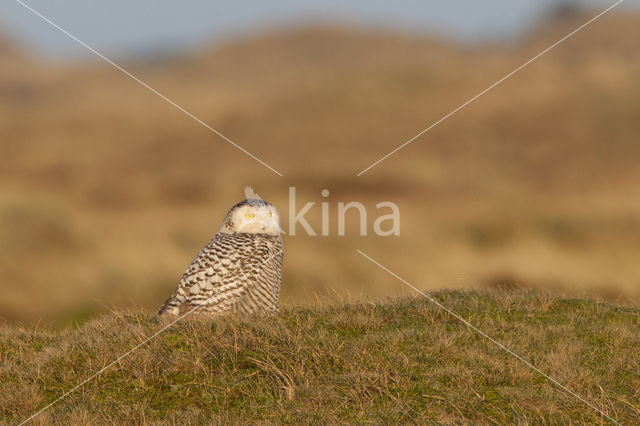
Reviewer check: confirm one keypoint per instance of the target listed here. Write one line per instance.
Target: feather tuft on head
(250, 194)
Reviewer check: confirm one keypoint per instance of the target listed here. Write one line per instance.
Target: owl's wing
(269, 271)
(216, 279)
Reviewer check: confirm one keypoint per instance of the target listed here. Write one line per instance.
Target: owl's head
(252, 216)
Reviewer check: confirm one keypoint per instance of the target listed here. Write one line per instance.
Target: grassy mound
(399, 361)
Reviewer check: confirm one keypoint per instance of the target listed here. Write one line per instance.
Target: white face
(258, 219)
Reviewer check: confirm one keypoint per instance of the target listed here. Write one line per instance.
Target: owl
(239, 271)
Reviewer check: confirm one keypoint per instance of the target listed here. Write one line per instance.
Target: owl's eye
(269, 214)
(249, 215)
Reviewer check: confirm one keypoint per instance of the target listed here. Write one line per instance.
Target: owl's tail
(170, 307)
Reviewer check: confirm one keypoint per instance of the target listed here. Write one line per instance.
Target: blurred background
(107, 192)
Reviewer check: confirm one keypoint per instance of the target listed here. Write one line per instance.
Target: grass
(402, 360)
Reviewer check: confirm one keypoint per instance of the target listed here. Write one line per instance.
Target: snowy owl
(239, 271)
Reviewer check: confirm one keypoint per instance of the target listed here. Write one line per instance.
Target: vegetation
(403, 360)
(107, 192)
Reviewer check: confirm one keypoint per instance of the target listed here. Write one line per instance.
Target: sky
(148, 27)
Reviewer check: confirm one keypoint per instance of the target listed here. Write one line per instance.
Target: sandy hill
(110, 191)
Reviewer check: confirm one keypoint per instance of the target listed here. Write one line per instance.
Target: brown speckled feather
(236, 273)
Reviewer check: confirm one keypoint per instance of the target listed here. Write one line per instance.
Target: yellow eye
(269, 214)
(249, 215)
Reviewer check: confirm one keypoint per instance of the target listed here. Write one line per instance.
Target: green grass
(399, 361)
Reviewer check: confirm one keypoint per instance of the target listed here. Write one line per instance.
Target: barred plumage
(239, 271)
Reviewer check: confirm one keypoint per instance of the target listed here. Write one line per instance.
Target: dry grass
(106, 192)
(394, 362)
